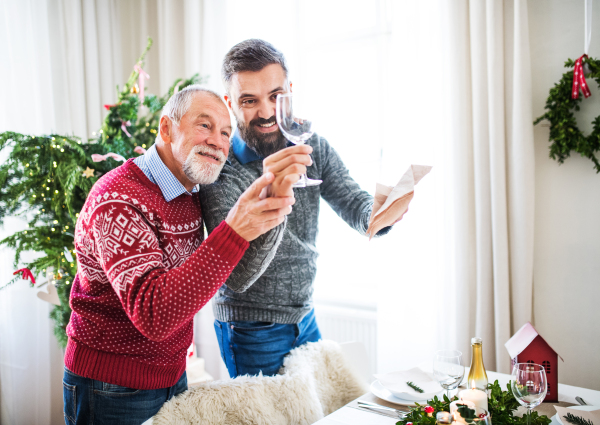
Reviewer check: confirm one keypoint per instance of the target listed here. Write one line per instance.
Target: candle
(478, 397)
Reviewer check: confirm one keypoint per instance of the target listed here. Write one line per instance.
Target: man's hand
(287, 165)
(251, 216)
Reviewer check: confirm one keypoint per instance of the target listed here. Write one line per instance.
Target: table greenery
(577, 420)
(414, 386)
(501, 406)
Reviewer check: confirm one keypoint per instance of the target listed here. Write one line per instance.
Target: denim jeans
(251, 347)
(87, 401)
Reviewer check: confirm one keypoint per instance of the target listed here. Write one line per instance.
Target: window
(340, 65)
(546, 365)
(372, 67)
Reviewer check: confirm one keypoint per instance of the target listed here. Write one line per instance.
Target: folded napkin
(588, 414)
(391, 203)
(396, 382)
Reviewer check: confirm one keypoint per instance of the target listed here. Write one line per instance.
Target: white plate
(584, 408)
(384, 394)
(396, 383)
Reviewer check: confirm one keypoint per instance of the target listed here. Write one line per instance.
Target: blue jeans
(251, 347)
(87, 401)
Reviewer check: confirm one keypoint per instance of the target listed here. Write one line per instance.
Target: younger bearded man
(265, 309)
(144, 269)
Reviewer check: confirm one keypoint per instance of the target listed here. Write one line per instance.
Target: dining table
(352, 414)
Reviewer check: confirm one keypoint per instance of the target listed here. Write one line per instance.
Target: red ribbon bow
(26, 275)
(96, 157)
(124, 125)
(579, 79)
(142, 76)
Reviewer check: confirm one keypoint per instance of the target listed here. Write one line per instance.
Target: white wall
(567, 228)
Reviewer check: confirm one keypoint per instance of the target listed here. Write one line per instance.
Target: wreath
(565, 136)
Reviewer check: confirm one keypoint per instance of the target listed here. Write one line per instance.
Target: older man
(144, 269)
(265, 309)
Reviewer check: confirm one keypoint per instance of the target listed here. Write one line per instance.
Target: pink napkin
(390, 203)
(589, 414)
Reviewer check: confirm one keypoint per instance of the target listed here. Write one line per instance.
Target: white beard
(199, 171)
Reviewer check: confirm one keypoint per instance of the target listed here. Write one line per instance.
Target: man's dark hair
(250, 55)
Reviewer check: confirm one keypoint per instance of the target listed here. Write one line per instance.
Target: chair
(316, 379)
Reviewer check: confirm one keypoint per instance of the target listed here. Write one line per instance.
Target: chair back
(358, 360)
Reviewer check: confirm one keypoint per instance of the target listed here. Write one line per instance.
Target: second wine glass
(448, 369)
(296, 130)
(529, 385)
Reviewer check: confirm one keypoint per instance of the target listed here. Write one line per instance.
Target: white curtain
(489, 191)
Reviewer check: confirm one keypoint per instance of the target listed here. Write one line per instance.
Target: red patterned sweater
(143, 272)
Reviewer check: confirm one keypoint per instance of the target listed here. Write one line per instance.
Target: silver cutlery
(370, 403)
(580, 401)
(377, 407)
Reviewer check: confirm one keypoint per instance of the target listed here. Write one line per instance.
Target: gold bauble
(135, 89)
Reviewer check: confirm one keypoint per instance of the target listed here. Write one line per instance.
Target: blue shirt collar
(157, 172)
(241, 150)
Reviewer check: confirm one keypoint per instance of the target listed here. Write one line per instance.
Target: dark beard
(264, 144)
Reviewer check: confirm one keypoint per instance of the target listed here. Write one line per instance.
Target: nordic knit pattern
(143, 272)
(274, 280)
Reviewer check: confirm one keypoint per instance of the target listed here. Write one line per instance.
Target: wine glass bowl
(294, 129)
(529, 385)
(448, 369)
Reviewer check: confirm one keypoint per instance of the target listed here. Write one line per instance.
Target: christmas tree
(46, 179)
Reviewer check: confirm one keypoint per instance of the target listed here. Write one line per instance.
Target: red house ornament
(527, 346)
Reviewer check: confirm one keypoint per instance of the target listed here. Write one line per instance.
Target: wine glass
(529, 385)
(296, 130)
(448, 369)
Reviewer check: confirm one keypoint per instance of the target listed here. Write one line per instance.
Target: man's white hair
(177, 106)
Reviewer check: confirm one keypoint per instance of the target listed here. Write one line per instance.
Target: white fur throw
(314, 381)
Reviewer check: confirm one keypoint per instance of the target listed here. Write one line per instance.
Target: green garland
(501, 405)
(43, 181)
(565, 136)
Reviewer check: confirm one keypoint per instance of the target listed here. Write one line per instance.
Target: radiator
(345, 324)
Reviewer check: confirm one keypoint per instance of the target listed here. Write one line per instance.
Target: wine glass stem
(528, 416)
(448, 393)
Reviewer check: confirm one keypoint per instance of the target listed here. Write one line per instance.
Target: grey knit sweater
(274, 280)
